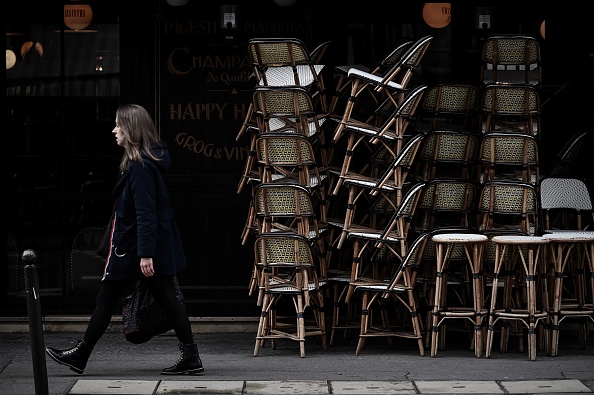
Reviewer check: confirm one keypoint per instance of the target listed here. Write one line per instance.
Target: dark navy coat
(143, 223)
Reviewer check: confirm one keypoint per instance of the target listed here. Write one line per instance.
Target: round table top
(570, 235)
(459, 238)
(519, 239)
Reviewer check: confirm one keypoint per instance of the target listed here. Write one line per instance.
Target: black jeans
(111, 292)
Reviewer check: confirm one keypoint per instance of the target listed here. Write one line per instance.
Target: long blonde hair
(139, 132)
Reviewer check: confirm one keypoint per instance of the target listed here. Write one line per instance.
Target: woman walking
(144, 242)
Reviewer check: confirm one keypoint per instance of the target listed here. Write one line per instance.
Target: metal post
(35, 323)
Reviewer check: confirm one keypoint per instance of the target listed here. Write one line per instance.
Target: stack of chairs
(286, 171)
(401, 206)
(508, 170)
(372, 193)
(511, 80)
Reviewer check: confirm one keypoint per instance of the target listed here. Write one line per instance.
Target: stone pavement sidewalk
(119, 367)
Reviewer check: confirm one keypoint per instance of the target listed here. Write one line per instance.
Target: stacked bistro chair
(509, 171)
(392, 85)
(451, 105)
(286, 169)
(342, 83)
(288, 269)
(513, 107)
(372, 151)
(282, 62)
(508, 211)
(569, 227)
(511, 59)
(509, 205)
(367, 263)
(287, 207)
(389, 306)
(363, 187)
(368, 137)
(284, 109)
(448, 153)
(446, 205)
(286, 61)
(509, 155)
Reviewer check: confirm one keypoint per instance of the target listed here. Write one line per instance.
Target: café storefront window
(74, 63)
(62, 90)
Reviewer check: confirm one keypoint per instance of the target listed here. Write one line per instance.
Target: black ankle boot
(75, 358)
(188, 363)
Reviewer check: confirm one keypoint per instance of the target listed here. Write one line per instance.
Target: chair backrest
(407, 63)
(512, 205)
(392, 240)
(566, 203)
(275, 52)
(447, 153)
(284, 150)
(400, 166)
(286, 258)
(284, 206)
(281, 249)
(511, 59)
(449, 106)
(282, 101)
(410, 264)
(281, 108)
(446, 202)
(509, 155)
(402, 115)
(404, 213)
(392, 57)
(318, 53)
(513, 107)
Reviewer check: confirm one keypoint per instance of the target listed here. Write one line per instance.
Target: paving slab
(371, 387)
(114, 387)
(545, 387)
(227, 387)
(458, 387)
(309, 387)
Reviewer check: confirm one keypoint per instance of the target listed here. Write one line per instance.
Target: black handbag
(142, 316)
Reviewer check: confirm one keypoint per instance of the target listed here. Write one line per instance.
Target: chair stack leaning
(372, 196)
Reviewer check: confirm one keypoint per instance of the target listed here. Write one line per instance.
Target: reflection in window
(90, 68)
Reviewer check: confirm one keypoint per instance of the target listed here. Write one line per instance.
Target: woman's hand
(146, 265)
